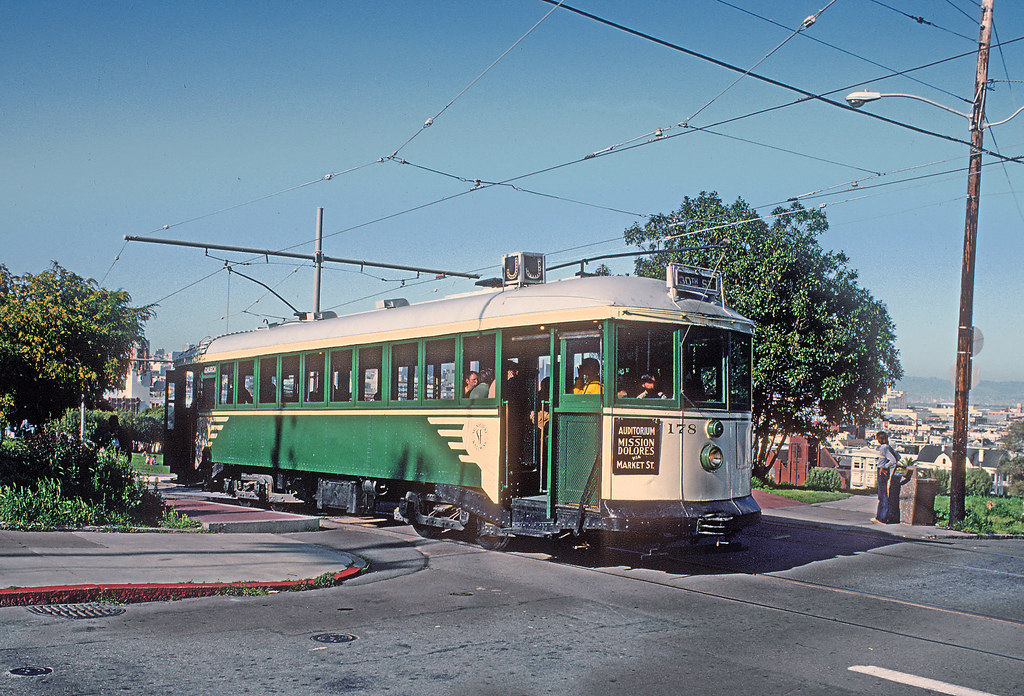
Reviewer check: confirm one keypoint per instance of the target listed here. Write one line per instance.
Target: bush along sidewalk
(48, 482)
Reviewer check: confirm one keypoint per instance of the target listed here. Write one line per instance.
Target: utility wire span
(920, 20)
(842, 50)
(430, 121)
(777, 83)
(807, 23)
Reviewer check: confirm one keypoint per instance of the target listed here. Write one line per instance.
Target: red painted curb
(154, 592)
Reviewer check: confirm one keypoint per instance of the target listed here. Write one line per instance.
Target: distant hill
(929, 390)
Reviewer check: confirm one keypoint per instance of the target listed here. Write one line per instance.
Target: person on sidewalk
(887, 459)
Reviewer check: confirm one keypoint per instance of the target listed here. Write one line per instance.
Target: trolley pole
(318, 259)
(965, 329)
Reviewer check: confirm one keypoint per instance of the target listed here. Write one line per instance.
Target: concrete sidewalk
(76, 566)
(853, 513)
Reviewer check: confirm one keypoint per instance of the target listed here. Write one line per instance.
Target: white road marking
(919, 682)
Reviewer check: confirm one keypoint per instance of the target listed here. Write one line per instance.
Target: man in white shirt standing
(887, 460)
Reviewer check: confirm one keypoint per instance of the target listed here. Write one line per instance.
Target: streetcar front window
(705, 353)
(644, 362)
(740, 388)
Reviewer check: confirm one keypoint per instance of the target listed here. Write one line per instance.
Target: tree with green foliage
(824, 348)
(62, 338)
(1012, 468)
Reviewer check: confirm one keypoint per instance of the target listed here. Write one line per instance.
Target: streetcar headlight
(711, 457)
(714, 428)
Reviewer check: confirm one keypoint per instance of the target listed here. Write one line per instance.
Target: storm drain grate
(333, 637)
(29, 671)
(92, 610)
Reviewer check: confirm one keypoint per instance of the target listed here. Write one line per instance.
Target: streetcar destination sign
(693, 280)
(637, 446)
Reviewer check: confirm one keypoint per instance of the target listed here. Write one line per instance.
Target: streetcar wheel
(491, 542)
(429, 531)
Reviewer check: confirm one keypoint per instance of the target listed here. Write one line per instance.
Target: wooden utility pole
(965, 330)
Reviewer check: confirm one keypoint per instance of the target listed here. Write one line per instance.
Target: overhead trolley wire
(777, 83)
(430, 121)
(921, 20)
(842, 50)
(807, 23)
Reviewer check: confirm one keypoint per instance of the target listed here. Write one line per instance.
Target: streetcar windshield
(716, 369)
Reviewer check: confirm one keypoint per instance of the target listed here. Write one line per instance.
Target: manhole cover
(92, 610)
(333, 638)
(29, 671)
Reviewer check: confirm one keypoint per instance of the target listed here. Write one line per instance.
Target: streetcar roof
(559, 302)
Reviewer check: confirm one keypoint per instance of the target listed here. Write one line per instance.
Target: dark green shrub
(57, 482)
(979, 482)
(819, 479)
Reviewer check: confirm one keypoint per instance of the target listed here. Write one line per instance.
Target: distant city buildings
(145, 381)
(921, 434)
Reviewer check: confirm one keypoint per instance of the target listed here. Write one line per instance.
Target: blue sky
(121, 118)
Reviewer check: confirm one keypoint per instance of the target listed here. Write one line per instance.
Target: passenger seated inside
(470, 381)
(482, 389)
(589, 379)
(648, 389)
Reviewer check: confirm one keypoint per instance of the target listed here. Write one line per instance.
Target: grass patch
(804, 495)
(138, 464)
(985, 515)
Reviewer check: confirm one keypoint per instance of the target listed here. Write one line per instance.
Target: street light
(859, 99)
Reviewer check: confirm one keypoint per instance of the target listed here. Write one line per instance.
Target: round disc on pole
(979, 341)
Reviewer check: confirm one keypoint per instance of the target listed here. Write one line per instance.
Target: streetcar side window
(341, 375)
(227, 384)
(314, 383)
(290, 379)
(586, 376)
(246, 381)
(704, 359)
(405, 373)
(644, 362)
(440, 370)
(478, 360)
(371, 363)
(268, 380)
(740, 389)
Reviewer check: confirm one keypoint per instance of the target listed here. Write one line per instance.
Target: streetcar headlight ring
(711, 457)
(714, 428)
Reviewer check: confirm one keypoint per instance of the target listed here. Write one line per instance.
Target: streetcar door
(580, 379)
(524, 361)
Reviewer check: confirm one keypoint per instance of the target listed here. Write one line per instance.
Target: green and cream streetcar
(612, 403)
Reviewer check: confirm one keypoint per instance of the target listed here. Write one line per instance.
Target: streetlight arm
(999, 123)
(859, 99)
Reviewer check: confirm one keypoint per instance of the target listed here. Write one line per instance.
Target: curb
(157, 592)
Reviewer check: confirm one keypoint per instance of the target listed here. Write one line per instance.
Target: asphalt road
(796, 611)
